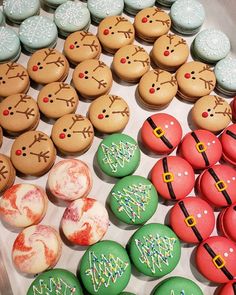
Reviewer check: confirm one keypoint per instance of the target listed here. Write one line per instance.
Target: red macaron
(226, 222)
(228, 141)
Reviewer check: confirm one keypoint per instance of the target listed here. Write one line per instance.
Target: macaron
(226, 222)
(154, 250)
(161, 133)
(215, 259)
(80, 46)
(7, 173)
(72, 16)
(228, 139)
(115, 32)
(33, 153)
(201, 148)
(1, 136)
(57, 99)
(211, 113)
(72, 134)
(23, 205)
(85, 221)
(126, 293)
(20, 108)
(151, 23)
(195, 79)
(92, 78)
(36, 249)
(118, 155)
(229, 288)
(187, 16)
(48, 65)
(10, 49)
(157, 88)
(109, 113)
(170, 52)
(69, 180)
(133, 200)
(233, 108)
(14, 79)
(38, 32)
(131, 62)
(192, 219)
(2, 19)
(166, 3)
(101, 9)
(134, 6)
(53, 3)
(173, 178)
(18, 11)
(114, 266)
(54, 279)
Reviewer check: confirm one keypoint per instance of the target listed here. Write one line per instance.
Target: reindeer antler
(182, 41)
(101, 64)
(137, 50)
(218, 101)
(124, 113)
(172, 81)
(11, 66)
(170, 37)
(145, 62)
(158, 72)
(126, 33)
(120, 19)
(76, 118)
(164, 22)
(113, 98)
(157, 10)
(101, 83)
(205, 68)
(41, 156)
(23, 98)
(93, 46)
(61, 87)
(20, 76)
(49, 52)
(28, 112)
(3, 171)
(85, 132)
(226, 112)
(85, 34)
(208, 83)
(69, 102)
(59, 62)
(38, 138)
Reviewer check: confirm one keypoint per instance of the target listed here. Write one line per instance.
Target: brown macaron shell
(7, 173)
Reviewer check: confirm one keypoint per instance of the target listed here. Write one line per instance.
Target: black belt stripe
(203, 153)
(186, 214)
(224, 192)
(163, 138)
(213, 255)
(230, 133)
(169, 184)
(234, 288)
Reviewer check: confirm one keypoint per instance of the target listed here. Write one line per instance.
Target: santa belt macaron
(201, 148)
(234, 288)
(168, 177)
(230, 133)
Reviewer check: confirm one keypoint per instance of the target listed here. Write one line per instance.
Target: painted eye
(167, 47)
(104, 111)
(9, 108)
(172, 50)
(193, 78)
(23, 148)
(153, 85)
(148, 15)
(158, 88)
(86, 72)
(211, 115)
(110, 28)
(106, 116)
(76, 42)
(39, 63)
(64, 130)
(192, 72)
(49, 95)
(209, 110)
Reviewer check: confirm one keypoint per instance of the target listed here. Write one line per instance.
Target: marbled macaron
(134, 6)
(10, 45)
(7, 173)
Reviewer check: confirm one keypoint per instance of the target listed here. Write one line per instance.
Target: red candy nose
(100, 116)
(35, 68)
(5, 112)
(166, 53)
(72, 46)
(62, 135)
(123, 60)
(106, 32)
(204, 114)
(144, 19)
(187, 75)
(18, 152)
(152, 90)
(81, 75)
(45, 99)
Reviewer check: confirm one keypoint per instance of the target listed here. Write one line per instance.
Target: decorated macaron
(211, 113)
(109, 113)
(215, 259)
(154, 250)
(53, 280)
(115, 32)
(48, 65)
(201, 149)
(134, 6)
(36, 249)
(173, 177)
(233, 108)
(38, 32)
(10, 48)
(170, 52)
(20, 108)
(1, 136)
(192, 219)
(57, 99)
(131, 62)
(114, 266)
(195, 79)
(80, 46)
(228, 140)
(14, 79)
(53, 3)
(7, 173)
(187, 16)
(2, 19)
(227, 221)
(85, 221)
(33, 153)
(161, 133)
(229, 288)
(69, 180)
(72, 16)
(166, 3)
(157, 88)
(151, 23)
(133, 199)
(23, 205)
(118, 155)
(72, 134)
(92, 78)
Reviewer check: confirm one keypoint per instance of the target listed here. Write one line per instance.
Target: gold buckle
(218, 186)
(201, 147)
(190, 221)
(168, 177)
(158, 132)
(221, 259)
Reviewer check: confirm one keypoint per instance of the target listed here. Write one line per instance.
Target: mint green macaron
(10, 48)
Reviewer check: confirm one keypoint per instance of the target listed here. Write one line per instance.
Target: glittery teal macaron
(72, 16)
(100, 9)
(2, 18)
(38, 32)
(187, 16)
(210, 46)
(17, 11)
(134, 6)
(53, 3)
(225, 72)
(10, 48)
(166, 3)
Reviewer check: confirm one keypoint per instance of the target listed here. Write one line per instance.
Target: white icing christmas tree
(54, 286)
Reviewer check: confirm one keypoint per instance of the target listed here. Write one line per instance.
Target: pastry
(109, 113)
(233, 108)
(166, 3)
(134, 6)
(36, 249)
(130, 63)
(72, 134)
(118, 155)
(112, 265)
(69, 180)
(133, 199)
(57, 99)
(53, 3)
(226, 222)
(85, 222)
(228, 140)
(1, 136)
(7, 173)
(10, 45)
(92, 78)
(48, 65)
(23, 205)
(33, 153)
(161, 133)
(229, 288)
(115, 32)
(173, 178)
